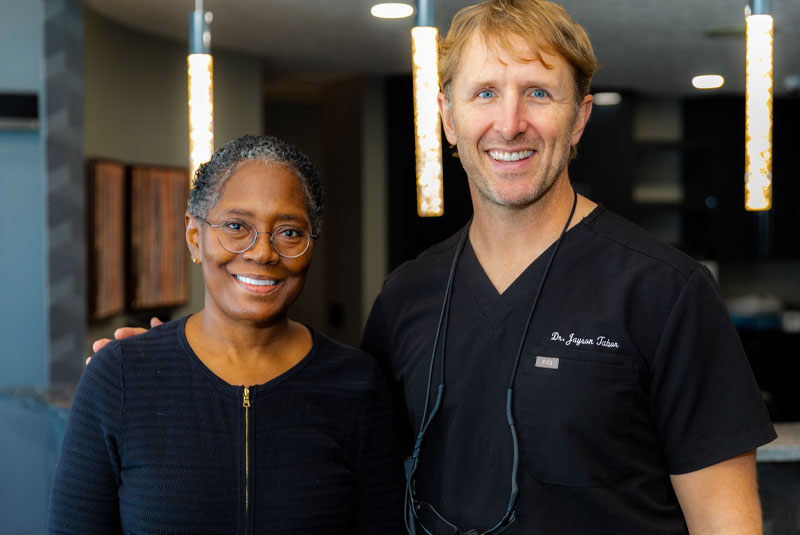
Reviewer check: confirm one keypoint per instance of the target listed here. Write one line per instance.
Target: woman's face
(257, 285)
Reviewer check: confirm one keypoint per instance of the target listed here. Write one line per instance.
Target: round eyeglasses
(238, 236)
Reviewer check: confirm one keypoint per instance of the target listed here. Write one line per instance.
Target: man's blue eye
(539, 93)
(485, 93)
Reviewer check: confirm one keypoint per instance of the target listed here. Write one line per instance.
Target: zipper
(246, 405)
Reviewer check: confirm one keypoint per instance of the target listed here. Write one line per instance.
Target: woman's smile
(258, 286)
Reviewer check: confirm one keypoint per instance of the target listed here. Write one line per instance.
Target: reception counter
(785, 448)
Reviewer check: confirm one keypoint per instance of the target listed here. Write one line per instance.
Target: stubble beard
(538, 185)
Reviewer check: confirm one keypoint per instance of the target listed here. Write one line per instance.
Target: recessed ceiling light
(607, 99)
(708, 81)
(391, 11)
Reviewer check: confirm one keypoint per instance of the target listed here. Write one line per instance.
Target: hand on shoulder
(119, 334)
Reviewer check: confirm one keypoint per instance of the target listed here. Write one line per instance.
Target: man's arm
(721, 498)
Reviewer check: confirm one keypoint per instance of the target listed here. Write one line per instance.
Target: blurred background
(93, 93)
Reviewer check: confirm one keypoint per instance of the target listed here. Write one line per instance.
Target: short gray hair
(211, 177)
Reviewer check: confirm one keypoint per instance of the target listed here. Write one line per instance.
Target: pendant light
(201, 99)
(427, 129)
(758, 106)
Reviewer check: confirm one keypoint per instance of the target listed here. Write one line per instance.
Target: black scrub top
(631, 370)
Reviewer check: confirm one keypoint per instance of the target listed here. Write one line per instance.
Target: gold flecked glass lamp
(427, 126)
(758, 106)
(201, 96)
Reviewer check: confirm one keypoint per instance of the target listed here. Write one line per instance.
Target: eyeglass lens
(237, 236)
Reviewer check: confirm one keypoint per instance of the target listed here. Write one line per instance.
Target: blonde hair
(545, 26)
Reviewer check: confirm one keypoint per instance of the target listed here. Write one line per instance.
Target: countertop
(785, 448)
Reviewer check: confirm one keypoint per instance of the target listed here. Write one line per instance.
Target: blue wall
(23, 277)
(27, 444)
(23, 333)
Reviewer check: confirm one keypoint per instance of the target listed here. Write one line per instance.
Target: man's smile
(504, 156)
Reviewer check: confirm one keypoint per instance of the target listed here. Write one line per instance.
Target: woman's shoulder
(327, 346)
(345, 359)
(167, 336)
(148, 347)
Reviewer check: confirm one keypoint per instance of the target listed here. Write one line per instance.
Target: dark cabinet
(716, 224)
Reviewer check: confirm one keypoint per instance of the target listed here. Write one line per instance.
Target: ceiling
(651, 46)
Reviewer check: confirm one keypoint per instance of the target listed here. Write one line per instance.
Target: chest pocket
(574, 412)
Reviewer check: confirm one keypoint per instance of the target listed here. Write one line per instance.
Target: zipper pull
(246, 402)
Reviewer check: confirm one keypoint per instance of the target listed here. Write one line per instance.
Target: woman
(235, 419)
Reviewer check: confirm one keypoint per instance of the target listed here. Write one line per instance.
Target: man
(634, 408)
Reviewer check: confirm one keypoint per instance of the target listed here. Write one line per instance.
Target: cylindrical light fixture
(758, 107)
(201, 99)
(427, 128)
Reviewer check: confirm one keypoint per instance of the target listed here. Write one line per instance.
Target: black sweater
(157, 443)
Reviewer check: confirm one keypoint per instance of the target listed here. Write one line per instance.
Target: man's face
(513, 122)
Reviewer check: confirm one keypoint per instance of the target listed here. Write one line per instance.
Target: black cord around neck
(541, 285)
(441, 329)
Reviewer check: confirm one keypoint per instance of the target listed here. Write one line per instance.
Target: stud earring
(195, 260)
